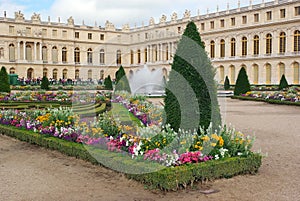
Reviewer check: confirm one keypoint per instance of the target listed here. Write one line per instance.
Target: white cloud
(10, 7)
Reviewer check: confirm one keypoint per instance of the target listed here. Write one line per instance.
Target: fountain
(146, 82)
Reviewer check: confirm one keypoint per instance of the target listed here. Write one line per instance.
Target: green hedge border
(171, 178)
(278, 102)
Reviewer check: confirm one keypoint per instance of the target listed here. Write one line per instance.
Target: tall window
(297, 10)
(102, 55)
(77, 55)
(139, 56)
(44, 54)
(297, 41)
(222, 23)
(28, 53)
(45, 72)
(233, 48)
(90, 74)
(30, 73)
(269, 44)
(119, 57)
(155, 53)
(54, 74)
(221, 74)
(269, 15)
(12, 52)
(268, 73)
(256, 45)
(244, 19)
(90, 36)
(90, 56)
(281, 69)
(232, 21)
(101, 36)
(76, 74)
(282, 42)
(102, 74)
(212, 24)
(54, 54)
(244, 46)
(212, 49)
(146, 55)
(64, 55)
(167, 53)
(1, 53)
(232, 74)
(222, 48)
(202, 26)
(131, 57)
(256, 17)
(76, 34)
(296, 72)
(65, 74)
(255, 74)
(282, 13)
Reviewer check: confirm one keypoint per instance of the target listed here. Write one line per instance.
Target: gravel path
(29, 172)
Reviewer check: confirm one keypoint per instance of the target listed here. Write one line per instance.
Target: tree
(226, 83)
(122, 83)
(45, 83)
(4, 81)
(283, 83)
(108, 83)
(242, 84)
(191, 92)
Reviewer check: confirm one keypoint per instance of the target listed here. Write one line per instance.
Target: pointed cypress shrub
(283, 83)
(4, 81)
(45, 83)
(122, 83)
(108, 83)
(242, 84)
(226, 83)
(191, 92)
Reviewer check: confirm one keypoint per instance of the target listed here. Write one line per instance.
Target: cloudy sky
(118, 12)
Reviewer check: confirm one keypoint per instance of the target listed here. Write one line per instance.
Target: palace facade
(263, 38)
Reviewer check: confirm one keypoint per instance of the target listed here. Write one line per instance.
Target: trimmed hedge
(279, 102)
(164, 178)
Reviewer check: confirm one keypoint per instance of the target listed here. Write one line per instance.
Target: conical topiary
(283, 83)
(191, 92)
(122, 83)
(226, 83)
(4, 81)
(108, 83)
(45, 83)
(242, 84)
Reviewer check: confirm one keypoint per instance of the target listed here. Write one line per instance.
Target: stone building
(264, 38)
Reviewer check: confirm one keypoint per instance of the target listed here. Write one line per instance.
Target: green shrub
(4, 81)
(226, 83)
(283, 83)
(45, 83)
(191, 81)
(108, 83)
(122, 83)
(242, 84)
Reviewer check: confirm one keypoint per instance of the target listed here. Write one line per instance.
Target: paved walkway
(29, 172)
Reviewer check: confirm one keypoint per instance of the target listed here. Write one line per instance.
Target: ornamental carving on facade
(19, 16)
(71, 21)
(151, 21)
(174, 16)
(187, 14)
(109, 25)
(163, 19)
(36, 17)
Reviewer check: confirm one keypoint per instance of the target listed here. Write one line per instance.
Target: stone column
(161, 52)
(151, 54)
(41, 52)
(18, 50)
(24, 50)
(34, 51)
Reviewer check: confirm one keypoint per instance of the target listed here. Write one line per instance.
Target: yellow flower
(215, 136)
(221, 142)
(205, 138)
(183, 142)
(213, 144)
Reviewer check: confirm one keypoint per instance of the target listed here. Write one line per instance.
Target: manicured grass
(279, 102)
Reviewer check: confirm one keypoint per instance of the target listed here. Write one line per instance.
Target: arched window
(90, 74)
(45, 72)
(233, 48)
(131, 57)
(1, 53)
(269, 44)
(232, 74)
(119, 57)
(212, 49)
(76, 74)
(90, 56)
(222, 48)
(255, 74)
(146, 55)
(77, 55)
(297, 41)
(139, 56)
(244, 46)
(65, 74)
(28, 53)
(54, 54)
(102, 74)
(12, 52)
(221, 74)
(44, 54)
(296, 72)
(281, 70)
(54, 74)
(268, 73)
(256, 45)
(64, 55)
(12, 70)
(282, 42)
(30, 73)
(102, 56)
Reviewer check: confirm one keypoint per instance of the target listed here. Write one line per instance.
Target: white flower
(239, 153)
(217, 157)
(111, 137)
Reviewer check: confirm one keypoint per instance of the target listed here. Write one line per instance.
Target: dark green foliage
(283, 83)
(4, 81)
(191, 92)
(122, 83)
(108, 83)
(242, 84)
(45, 83)
(226, 83)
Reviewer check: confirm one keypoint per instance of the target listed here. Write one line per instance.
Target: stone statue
(151, 21)
(187, 14)
(36, 17)
(163, 19)
(71, 21)
(19, 16)
(109, 25)
(174, 16)
(125, 27)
